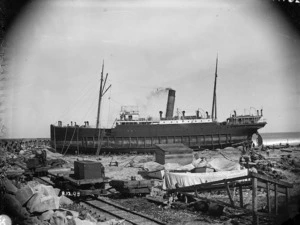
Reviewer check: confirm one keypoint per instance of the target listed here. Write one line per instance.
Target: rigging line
(108, 114)
(76, 106)
(83, 99)
(65, 139)
(70, 142)
(83, 91)
(123, 82)
(115, 101)
(90, 107)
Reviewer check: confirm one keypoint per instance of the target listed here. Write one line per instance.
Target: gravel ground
(187, 216)
(130, 165)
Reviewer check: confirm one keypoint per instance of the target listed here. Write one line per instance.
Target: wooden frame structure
(253, 181)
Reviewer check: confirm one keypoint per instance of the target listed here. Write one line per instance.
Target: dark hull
(142, 138)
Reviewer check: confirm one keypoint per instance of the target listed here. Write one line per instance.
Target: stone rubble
(36, 203)
(30, 202)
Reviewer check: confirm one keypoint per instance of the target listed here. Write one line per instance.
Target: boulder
(32, 220)
(83, 222)
(65, 200)
(52, 155)
(71, 213)
(57, 191)
(296, 162)
(89, 217)
(59, 218)
(215, 209)
(231, 222)
(25, 193)
(48, 190)
(42, 203)
(21, 152)
(111, 222)
(46, 215)
(10, 187)
(13, 206)
(201, 206)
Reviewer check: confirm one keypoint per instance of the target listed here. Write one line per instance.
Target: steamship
(133, 134)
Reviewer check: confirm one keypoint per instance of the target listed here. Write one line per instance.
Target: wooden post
(268, 197)
(241, 196)
(233, 194)
(276, 199)
(196, 193)
(229, 194)
(77, 141)
(254, 201)
(54, 138)
(287, 196)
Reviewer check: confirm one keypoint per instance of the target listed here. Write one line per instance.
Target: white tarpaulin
(221, 164)
(152, 166)
(189, 179)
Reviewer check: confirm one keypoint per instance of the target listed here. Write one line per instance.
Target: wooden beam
(241, 196)
(196, 193)
(266, 178)
(268, 197)
(254, 201)
(210, 184)
(271, 186)
(226, 204)
(77, 141)
(287, 196)
(276, 199)
(229, 194)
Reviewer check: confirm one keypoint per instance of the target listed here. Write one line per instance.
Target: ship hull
(137, 138)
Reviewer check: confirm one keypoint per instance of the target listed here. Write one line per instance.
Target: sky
(58, 47)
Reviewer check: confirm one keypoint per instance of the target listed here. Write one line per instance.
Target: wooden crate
(88, 170)
(202, 170)
(173, 153)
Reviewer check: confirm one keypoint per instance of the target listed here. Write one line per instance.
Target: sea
(283, 138)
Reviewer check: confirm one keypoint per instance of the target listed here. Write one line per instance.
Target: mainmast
(101, 94)
(214, 104)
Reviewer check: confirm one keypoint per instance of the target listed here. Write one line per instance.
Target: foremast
(101, 94)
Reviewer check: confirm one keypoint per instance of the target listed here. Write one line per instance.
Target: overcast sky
(59, 46)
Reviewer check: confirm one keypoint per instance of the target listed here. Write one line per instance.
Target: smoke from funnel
(158, 92)
(155, 101)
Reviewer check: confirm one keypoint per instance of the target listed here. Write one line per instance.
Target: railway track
(109, 209)
(116, 211)
(44, 180)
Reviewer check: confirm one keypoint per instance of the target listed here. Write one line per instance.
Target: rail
(110, 208)
(118, 211)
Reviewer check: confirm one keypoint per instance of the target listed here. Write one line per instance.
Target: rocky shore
(34, 203)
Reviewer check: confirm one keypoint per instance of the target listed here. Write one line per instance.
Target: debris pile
(193, 192)
(40, 204)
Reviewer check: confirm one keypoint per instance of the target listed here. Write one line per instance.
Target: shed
(173, 153)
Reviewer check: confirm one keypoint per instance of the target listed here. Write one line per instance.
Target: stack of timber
(132, 186)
